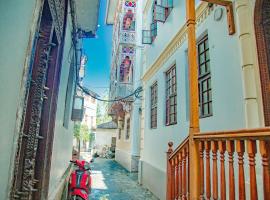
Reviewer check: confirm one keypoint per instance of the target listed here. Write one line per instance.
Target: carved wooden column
(194, 101)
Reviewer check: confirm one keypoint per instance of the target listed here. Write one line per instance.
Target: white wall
(226, 77)
(17, 20)
(63, 137)
(165, 31)
(104, 137)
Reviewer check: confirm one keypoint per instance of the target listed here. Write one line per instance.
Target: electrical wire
(88, 92)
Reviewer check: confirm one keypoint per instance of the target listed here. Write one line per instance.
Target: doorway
(34, 151)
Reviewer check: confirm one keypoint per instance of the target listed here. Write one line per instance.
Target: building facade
(231, 77)
(38, 79)
(125, 78)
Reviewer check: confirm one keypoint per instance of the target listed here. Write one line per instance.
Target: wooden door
(262, 31)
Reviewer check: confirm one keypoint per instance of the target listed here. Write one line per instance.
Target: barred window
(128, 129)
(171, 97)
(154, 105)
(205, 89)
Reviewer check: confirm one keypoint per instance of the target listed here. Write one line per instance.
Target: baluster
(201, 149)
(184, 177)
(176, 177)
(187, 157)
(173, 179)
(180, 175)
(230, 149)
(169, 172)
(240, 148)
(222, 149)
(252, 150)
(207, 167)
(264, 150)
(214, 175)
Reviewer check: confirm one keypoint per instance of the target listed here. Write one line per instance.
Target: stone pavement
(113, 182)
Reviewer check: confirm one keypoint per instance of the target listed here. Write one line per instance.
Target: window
(161, 12)
(119, 134)
(128, 129)
(148, 36)
(205, 89)
(171, 101)
(129, 21)
(154, 105)
(69, 91)
(126, 70)
(167, 3)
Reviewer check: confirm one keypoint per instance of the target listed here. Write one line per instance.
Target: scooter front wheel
(76, 198)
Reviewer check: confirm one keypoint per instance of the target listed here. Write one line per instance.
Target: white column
(251, 82)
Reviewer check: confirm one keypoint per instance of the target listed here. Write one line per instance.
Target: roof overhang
(87, 12)
(110, 11)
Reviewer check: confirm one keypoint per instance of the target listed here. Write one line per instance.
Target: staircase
(211, 150)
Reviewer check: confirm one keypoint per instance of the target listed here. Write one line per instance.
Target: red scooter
(80, 181)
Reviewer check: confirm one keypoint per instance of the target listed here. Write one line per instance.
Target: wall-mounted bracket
(229, 8)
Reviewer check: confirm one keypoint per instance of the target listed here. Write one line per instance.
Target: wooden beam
(230, 16)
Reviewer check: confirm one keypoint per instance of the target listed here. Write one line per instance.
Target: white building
(125, 78)
(229, 79)
(89, 118)
(105, 137)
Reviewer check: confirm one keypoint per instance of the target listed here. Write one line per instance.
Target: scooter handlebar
(74, 162)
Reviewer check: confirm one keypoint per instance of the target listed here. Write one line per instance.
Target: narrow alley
(113, 182)
(170, 97)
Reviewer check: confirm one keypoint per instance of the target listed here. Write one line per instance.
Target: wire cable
(88, 92)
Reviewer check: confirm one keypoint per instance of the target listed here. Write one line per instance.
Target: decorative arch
(262, 32)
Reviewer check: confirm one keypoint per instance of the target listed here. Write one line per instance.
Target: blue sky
(98, 51)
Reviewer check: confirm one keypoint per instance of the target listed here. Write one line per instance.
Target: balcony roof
(87, 16)
(110, 11)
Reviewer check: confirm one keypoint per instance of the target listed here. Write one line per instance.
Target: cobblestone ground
(113, 182)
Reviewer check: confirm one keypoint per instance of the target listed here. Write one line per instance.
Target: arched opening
(262, 31)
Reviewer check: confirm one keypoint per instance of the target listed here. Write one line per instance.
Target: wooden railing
(213, 147)
(178, 171)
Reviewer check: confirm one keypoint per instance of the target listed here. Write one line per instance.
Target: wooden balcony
(212, 148)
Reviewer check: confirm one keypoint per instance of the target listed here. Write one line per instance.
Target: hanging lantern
(78, 108)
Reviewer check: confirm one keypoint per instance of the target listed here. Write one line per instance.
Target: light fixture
(78, 108)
